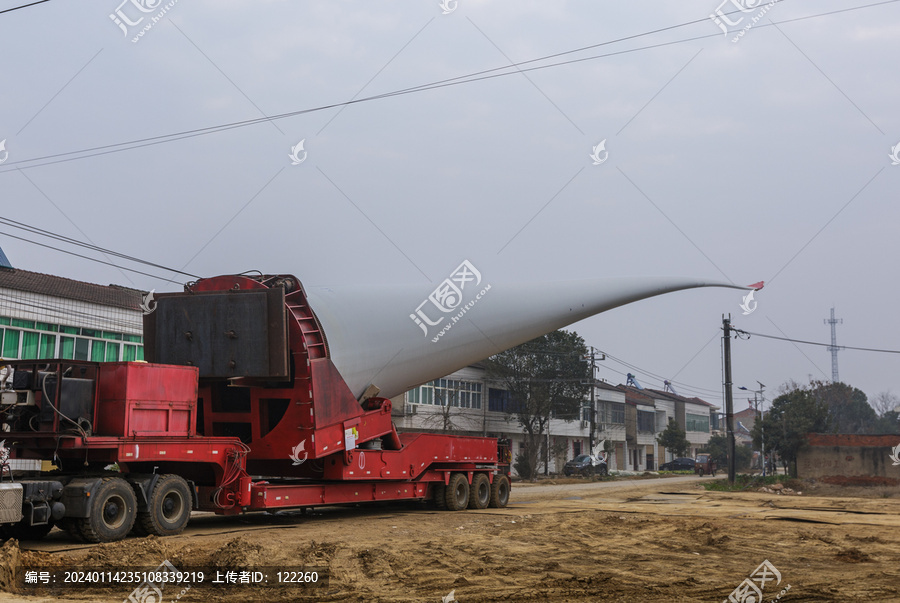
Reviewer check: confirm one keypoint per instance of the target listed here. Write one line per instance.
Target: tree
(885, 402)
(793, 415)
(546, 378)
(718, 448)
(848, 407)
(447, 414)
(673, 439)
(887, 405)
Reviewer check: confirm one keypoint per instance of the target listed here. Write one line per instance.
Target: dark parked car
(679, 464)
(583, 465)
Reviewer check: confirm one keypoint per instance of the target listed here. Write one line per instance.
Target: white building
(44, 316)
(465, 403)
(630, 419)
(692, 414)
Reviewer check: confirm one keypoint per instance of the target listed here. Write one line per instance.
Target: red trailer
(238, 409)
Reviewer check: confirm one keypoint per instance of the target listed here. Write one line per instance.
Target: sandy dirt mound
(633, 542)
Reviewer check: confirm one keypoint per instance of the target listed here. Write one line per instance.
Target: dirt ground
(638, 540)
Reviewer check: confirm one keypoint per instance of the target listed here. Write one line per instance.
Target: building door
(576, 448)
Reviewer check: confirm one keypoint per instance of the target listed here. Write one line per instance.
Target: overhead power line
(506, 70)
(9, 10)
(843, 347)
(12, 236)
(692, 389)
(73, 316)
(62, 238)
(638, 369)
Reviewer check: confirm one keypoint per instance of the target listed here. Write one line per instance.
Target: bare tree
(448, 415)
(885, 402)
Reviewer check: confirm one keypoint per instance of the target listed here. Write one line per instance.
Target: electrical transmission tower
(833, 348)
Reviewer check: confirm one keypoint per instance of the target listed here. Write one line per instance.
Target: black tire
(113, 511)
(700, 471)
(604, 470)
(499, 492)
(440, 491)
(170, 508)
(457, 494)
(70, 526)
(480, 492)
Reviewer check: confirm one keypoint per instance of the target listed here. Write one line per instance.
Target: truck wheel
(499, 492)
(457, 494)
(440, 493)
(70, 526)
(604, 470)
(169, 507)
(480, 492)
(700, 471)
(112, 512)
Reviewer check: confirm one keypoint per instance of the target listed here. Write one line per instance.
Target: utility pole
(762, 427)
(593, 410)
(757, 402)
(729, 402)
(833, 348)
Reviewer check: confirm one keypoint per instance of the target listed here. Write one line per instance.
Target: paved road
(526, 491)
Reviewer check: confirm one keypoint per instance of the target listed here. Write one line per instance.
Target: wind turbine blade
(373, 340)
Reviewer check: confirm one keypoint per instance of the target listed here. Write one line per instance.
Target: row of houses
(45, 316)
(627, 416)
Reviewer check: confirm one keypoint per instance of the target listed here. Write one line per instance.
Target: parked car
(679, 464)
(583, 464)
(705, 465)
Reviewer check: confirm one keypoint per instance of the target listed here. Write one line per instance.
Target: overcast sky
(732, 157)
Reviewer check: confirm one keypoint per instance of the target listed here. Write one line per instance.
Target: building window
(616, 413)
(646, 421)
(452, 392)
(112, 352)
(81, 348)
(48, 346)
(696, 423)
(500, 400)
(67, 347)
(30, 340)
(35, 342)
(11, 343)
